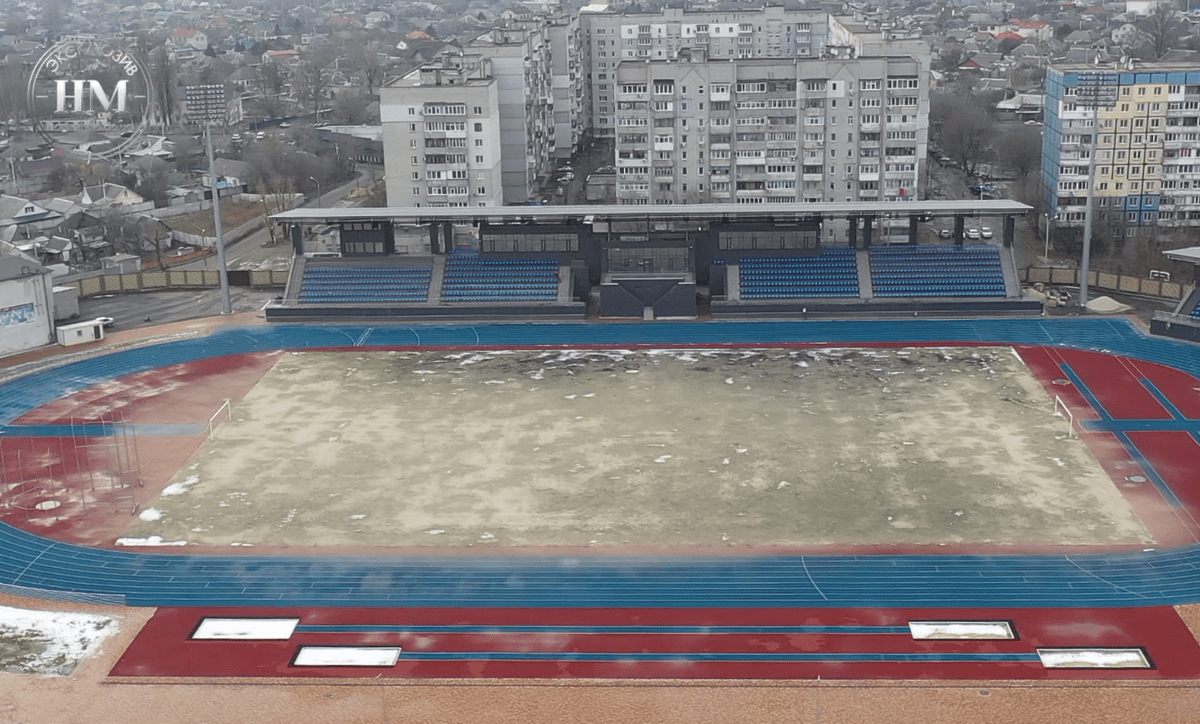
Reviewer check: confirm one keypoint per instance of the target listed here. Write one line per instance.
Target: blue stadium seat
(832, 273)
(468, 278)
(937, 270)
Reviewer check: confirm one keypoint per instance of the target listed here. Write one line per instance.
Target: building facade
(1146, 146)
(762, 106)
(762, 131)
(442, 136)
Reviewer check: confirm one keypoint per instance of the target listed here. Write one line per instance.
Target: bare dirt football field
(669, 447)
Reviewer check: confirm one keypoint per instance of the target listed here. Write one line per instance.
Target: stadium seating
(937, 270)
(832, 273)
(360, 284)
(468, 278)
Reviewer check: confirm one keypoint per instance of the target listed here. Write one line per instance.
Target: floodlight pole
(222, 270)
(1087, 212)
(1095, 89)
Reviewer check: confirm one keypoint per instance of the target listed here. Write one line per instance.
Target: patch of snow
(181, 486)
(358, 516)
(64, 638)
(662, 459)
(435, 531)
(154, 540)
(150, 514)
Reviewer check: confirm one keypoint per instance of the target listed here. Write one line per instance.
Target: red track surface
(163, 648)
(1115, 383)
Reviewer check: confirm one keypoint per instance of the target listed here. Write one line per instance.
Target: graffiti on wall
(19, 314)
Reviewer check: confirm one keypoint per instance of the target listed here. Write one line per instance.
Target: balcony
(668, 146)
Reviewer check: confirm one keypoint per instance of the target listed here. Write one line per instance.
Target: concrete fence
(1106, 281)
(174, 279)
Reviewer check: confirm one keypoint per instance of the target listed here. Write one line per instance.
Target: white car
(985, 232)
(973, 233)
(106, 322)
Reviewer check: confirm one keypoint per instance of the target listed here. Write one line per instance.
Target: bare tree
(311, 80)
(366, 58)
(270, 83)
(967, 134)
(12, 91)
(275, 194)
(1163, 27)
(164, 74)
(1023, 151)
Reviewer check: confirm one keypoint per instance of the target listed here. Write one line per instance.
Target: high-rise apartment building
(441, 135)
(762, 106)
(1147, 149)
(762, 131)
(611, 37)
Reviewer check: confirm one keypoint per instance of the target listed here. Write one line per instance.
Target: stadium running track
(1133, 397)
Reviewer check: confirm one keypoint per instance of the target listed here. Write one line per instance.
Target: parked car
(973, 233)
(982, 189)
(106, 322)
(945, 233)
(985, 232)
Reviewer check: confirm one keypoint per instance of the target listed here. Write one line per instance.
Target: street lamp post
(318, 185)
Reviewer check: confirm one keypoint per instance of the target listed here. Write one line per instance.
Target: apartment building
(611, 36)
(1146, 144)
(442, 135)
(694, 130)
(757, 106)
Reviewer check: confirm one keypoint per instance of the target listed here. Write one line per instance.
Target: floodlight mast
(1095, 89)
(222, 270)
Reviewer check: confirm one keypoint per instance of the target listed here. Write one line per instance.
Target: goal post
(1061, 409)
(213, 421)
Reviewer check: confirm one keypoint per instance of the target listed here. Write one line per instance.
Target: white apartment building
(611, 36)
(441, 135)
(760, 131)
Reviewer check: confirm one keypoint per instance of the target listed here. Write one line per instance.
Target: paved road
(152, 308)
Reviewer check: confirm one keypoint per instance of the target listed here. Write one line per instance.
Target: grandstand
(1184, 321)
(625, 262)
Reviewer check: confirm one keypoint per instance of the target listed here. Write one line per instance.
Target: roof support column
(1010, 224)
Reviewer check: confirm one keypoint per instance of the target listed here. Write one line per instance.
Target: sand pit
(669, 447)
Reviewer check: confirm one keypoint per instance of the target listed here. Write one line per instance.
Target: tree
(1023, 151)
(1063, 31)
(967, 133)
(311, 80)
(269, 82)
(1163, 27)
(352, 108)
(165, 76)
(275, 194)
(366, 58)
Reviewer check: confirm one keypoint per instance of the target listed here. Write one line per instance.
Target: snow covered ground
(48, 642)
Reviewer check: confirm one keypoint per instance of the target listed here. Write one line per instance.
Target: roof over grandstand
(678, 212)
(1190, 254)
